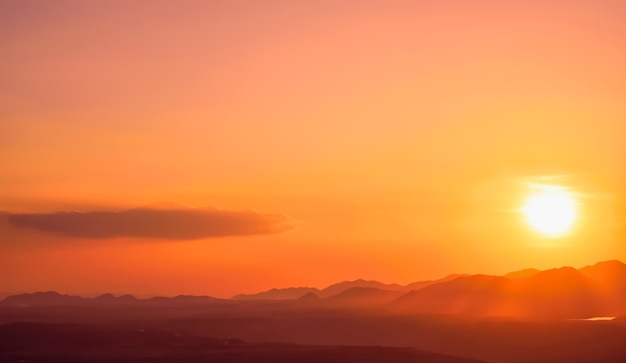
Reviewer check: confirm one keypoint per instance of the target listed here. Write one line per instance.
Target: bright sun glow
(550, 210)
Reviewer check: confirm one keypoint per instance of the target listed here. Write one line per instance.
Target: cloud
(171, 224)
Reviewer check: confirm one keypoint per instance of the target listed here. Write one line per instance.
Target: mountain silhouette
(51, 298)
(309, 297)
(465, 295)
(43, 298)
(611, 273)
(556, 293)
(290, 293)
(363, 296)
(334, 289)
(528, 316)
(527, 272)
(559, 293)
(184, 300)
(345, 285)
(422, 284)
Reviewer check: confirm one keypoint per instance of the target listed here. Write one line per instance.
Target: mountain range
(560, 293)
(297, 292)
(597, 290)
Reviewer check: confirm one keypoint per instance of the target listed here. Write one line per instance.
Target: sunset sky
(223, 147)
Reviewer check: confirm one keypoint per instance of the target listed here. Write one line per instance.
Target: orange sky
(398, 138)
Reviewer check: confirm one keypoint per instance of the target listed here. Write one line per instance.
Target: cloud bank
(171, 224)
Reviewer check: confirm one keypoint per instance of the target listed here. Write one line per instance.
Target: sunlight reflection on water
(598, 318)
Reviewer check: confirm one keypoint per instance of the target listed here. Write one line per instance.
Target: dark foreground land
(130, 333)
(46, 343)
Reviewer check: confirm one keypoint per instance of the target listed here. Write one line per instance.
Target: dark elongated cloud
(174, 224)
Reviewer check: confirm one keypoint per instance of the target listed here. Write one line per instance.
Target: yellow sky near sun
(398, 136)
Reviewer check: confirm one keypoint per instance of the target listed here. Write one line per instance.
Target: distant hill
(565, 292)
(611, 273)
(560, 293)
(345, 285)
(290, 293)
(422, 284)
(43, 298)
(309, 297)
(467, 295)
(527, 272)
(51, 298)
(363, 297)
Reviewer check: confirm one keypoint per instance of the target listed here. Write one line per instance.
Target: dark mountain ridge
(565, 292)
(560, 293)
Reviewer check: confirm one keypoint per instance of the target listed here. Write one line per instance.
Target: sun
(551, 210)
